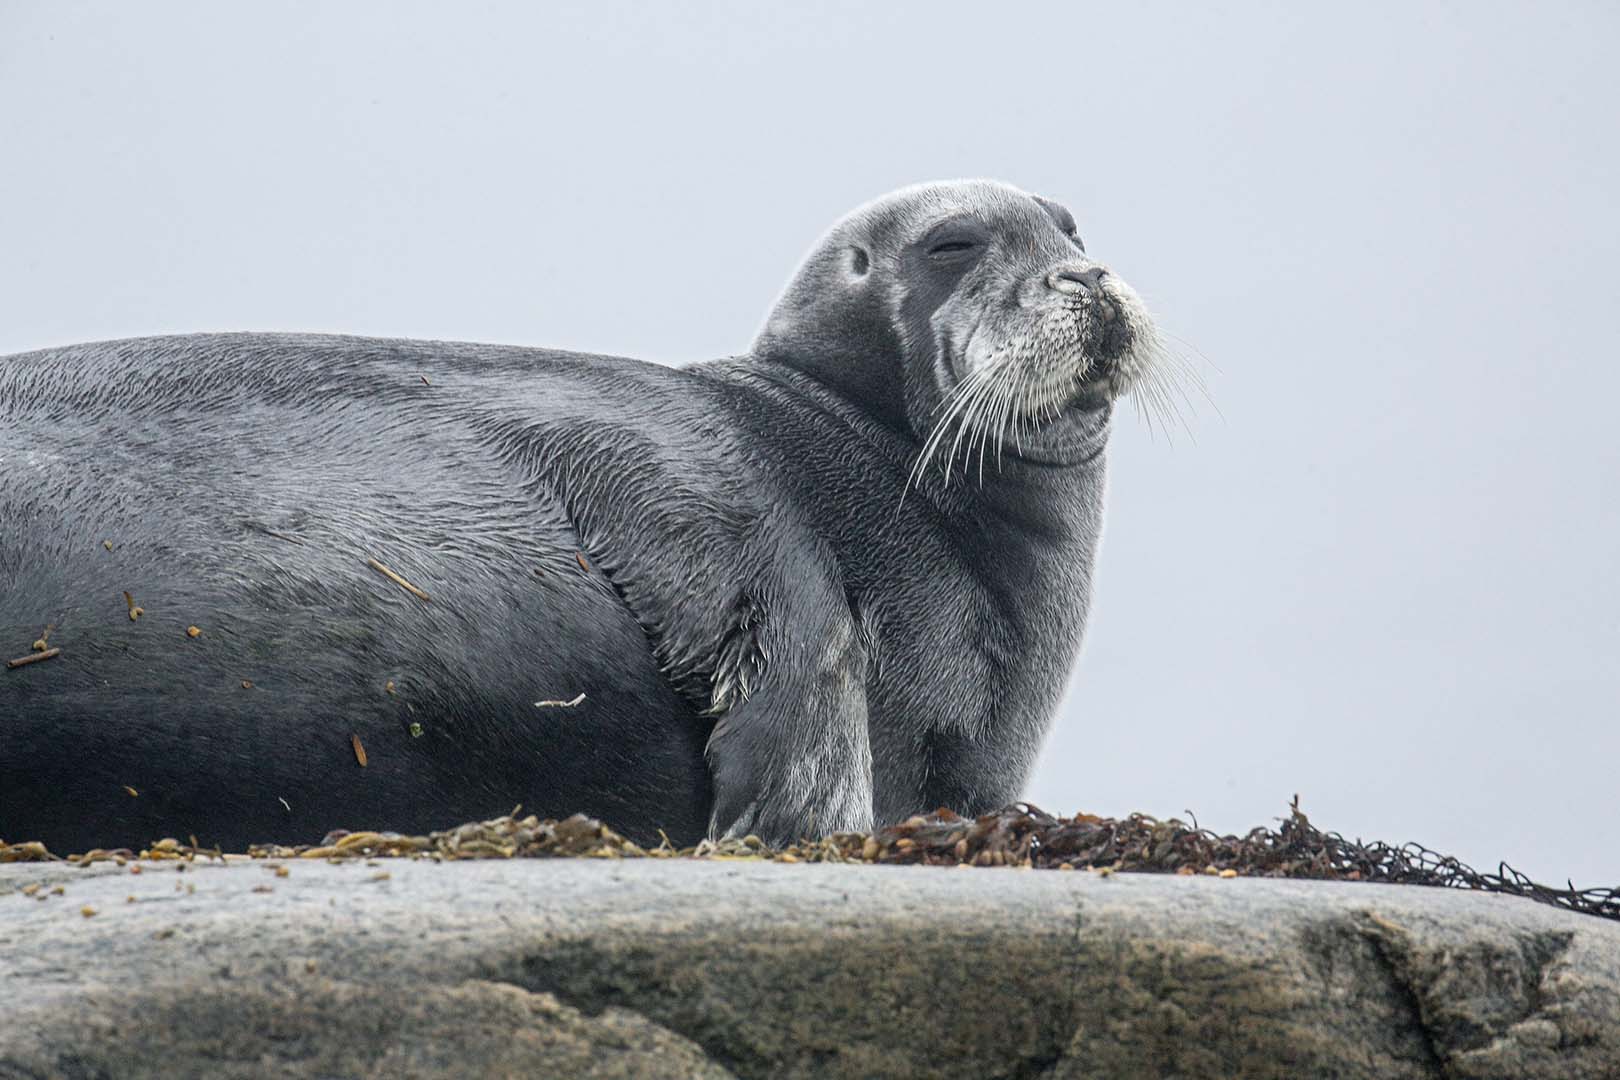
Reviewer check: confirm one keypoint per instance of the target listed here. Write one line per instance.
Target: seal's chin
(1097, 393)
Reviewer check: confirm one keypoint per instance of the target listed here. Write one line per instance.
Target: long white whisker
(991, 432)
(1033, 380)
(976, 386)
(969, 422)
(986, 406)
(959, 400)
(1016, 400)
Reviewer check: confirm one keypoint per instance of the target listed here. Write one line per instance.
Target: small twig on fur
(396, 579)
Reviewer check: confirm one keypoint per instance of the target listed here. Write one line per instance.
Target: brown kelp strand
(1020, 835)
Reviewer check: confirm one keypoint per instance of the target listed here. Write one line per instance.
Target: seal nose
(1075, 282)
(1085, 283)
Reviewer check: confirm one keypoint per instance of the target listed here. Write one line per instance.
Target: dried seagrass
(1017, 835)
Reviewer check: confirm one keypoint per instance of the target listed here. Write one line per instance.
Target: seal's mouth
(1108, 350)
(1110, 357)
(1090, 346)
(1116, 339)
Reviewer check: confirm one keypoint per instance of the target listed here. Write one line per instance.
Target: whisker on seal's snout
(965, 406)
(1029, 382)
(981, 410)
(1163, 382)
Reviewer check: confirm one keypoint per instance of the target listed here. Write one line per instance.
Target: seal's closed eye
(952, 246)
(955, 238)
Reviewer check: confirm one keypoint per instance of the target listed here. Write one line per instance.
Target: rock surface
(656, 968)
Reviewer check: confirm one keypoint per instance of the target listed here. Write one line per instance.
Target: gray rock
(655, 968)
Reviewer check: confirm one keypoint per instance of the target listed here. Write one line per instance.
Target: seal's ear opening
(859, 261)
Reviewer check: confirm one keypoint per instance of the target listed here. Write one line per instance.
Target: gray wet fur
(781, 623)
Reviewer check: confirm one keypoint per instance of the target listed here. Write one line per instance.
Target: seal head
(967, 314)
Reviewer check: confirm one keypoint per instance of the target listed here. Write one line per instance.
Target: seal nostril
(1074, 282)
(1065, 281)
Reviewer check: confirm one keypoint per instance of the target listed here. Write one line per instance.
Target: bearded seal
(301, 582)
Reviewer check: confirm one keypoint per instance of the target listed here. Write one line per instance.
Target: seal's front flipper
(790, 756)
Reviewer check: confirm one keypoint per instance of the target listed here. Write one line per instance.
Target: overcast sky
(1383, 575)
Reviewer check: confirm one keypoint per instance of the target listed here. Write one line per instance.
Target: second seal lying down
(306, 582)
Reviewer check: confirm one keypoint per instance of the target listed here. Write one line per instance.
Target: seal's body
(429, 581)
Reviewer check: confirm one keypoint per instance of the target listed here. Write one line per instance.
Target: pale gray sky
(1383, 576)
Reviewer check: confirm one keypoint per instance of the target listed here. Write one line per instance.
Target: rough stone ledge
(631, 968)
